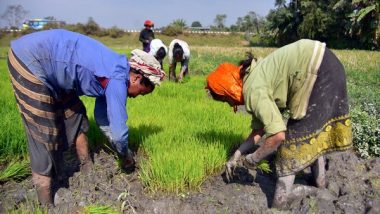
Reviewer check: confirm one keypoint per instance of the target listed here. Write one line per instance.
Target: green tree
(175, 28)
(234, 28)
(283, 23)
(181, 23)
(280, 3)
(340, 27)
(92, 28)
(240, 24)
(341, 23)
(251, 22)
(366, 22)
(220, 20)
(316, 20)
(196, 24)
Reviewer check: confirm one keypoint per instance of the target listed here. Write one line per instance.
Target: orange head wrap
(225, 81)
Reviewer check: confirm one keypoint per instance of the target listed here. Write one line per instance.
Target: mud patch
(353, 187)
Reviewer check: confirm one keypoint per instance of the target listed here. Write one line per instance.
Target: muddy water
(353, 187)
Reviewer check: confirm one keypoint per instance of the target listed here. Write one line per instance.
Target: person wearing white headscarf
(179, 51)
(144, 74)
(158, 49)
(147, 65)
(49, 71)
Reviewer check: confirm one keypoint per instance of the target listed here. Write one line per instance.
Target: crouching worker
(158, 49)
(49, 70)
(305, 78)
(178, 52)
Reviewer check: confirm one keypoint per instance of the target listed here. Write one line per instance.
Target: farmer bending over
(49, 70)
(178, 52)
(307, 79)
(158, 49)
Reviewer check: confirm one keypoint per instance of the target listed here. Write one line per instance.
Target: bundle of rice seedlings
(16, 170)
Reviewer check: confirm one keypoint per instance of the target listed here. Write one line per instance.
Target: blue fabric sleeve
(111, 111)
(101, 118)
(100, 111)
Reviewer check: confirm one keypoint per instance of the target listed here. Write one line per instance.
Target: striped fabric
(44, 116)
(148, 65)
(37, 106)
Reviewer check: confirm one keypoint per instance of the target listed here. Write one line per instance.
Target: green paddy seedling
(264, 166)
(17, 169)
(183, 136)
(99, 209)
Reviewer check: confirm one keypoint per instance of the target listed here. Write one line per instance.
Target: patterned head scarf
(225, 81)
(147, 65)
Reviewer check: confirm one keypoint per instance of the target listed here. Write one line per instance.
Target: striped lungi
(326, 126)
(52, 124)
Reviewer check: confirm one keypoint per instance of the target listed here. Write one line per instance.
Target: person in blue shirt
(49, 70)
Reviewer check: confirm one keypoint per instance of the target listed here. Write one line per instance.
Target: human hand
(249, 163)
(128, 161)
(230, 169)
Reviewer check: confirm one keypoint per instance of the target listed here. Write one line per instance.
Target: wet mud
(353, 187)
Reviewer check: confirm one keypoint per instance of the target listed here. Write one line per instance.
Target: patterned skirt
(51, 123)
(326, 126)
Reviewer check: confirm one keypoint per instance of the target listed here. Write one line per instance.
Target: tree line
(340, 23)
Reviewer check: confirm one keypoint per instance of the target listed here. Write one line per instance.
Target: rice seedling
(99, 209)
(189, 139)
(17, 169)
(263, 166)
(12, 136)
(27, 210)
(183, 136)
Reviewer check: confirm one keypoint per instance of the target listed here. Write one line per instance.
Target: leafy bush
(2, 33)
(54, 25)
(366, 130)
(79, 28)
(27, 31)
(115, 32)
(91, 27)
(172, 30)
(261, 40)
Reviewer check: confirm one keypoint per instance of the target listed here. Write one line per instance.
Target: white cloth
(185, 48)
(148, 65)
(155, 45)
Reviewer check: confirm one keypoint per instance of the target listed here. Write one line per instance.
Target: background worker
(147, 35)
(158, 49)
(49, 70)
(305, 78)
(178, 52)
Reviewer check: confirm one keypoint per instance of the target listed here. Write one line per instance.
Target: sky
(127, 14)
